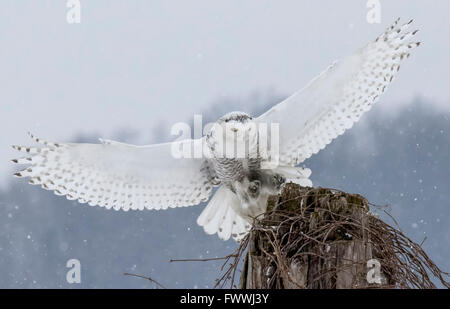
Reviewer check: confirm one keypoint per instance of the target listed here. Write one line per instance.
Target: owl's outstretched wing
(116, 175)
(311, 118)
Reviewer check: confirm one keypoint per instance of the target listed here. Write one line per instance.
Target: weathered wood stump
(312, 238)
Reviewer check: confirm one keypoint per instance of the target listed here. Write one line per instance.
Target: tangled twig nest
(324, 238)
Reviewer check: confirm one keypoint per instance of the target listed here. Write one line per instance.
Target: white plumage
(332, 102)
(219, 216)
(116, 175)
(122, 176)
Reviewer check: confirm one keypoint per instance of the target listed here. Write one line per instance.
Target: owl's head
(236, 123)
(235, 128)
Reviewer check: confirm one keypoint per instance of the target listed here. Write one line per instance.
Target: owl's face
(236, 125)
(237, 129)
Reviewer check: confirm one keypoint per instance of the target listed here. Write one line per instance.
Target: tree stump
(313, 238)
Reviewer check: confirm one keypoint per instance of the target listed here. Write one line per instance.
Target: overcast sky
(139, 63)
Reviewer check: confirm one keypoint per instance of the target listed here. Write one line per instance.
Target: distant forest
(398, 159)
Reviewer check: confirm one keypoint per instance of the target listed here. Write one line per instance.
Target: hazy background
(131, 69)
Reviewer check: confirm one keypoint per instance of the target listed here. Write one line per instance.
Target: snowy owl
(123, 176)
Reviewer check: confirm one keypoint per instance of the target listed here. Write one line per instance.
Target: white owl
(122, 176)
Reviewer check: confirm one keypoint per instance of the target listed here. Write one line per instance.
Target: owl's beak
(234, 129)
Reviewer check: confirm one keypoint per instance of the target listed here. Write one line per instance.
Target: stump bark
(312, 238)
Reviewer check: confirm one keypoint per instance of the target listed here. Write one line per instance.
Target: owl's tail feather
(298, 175)
(219, 216)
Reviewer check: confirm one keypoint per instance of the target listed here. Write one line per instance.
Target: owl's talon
(278, 181)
